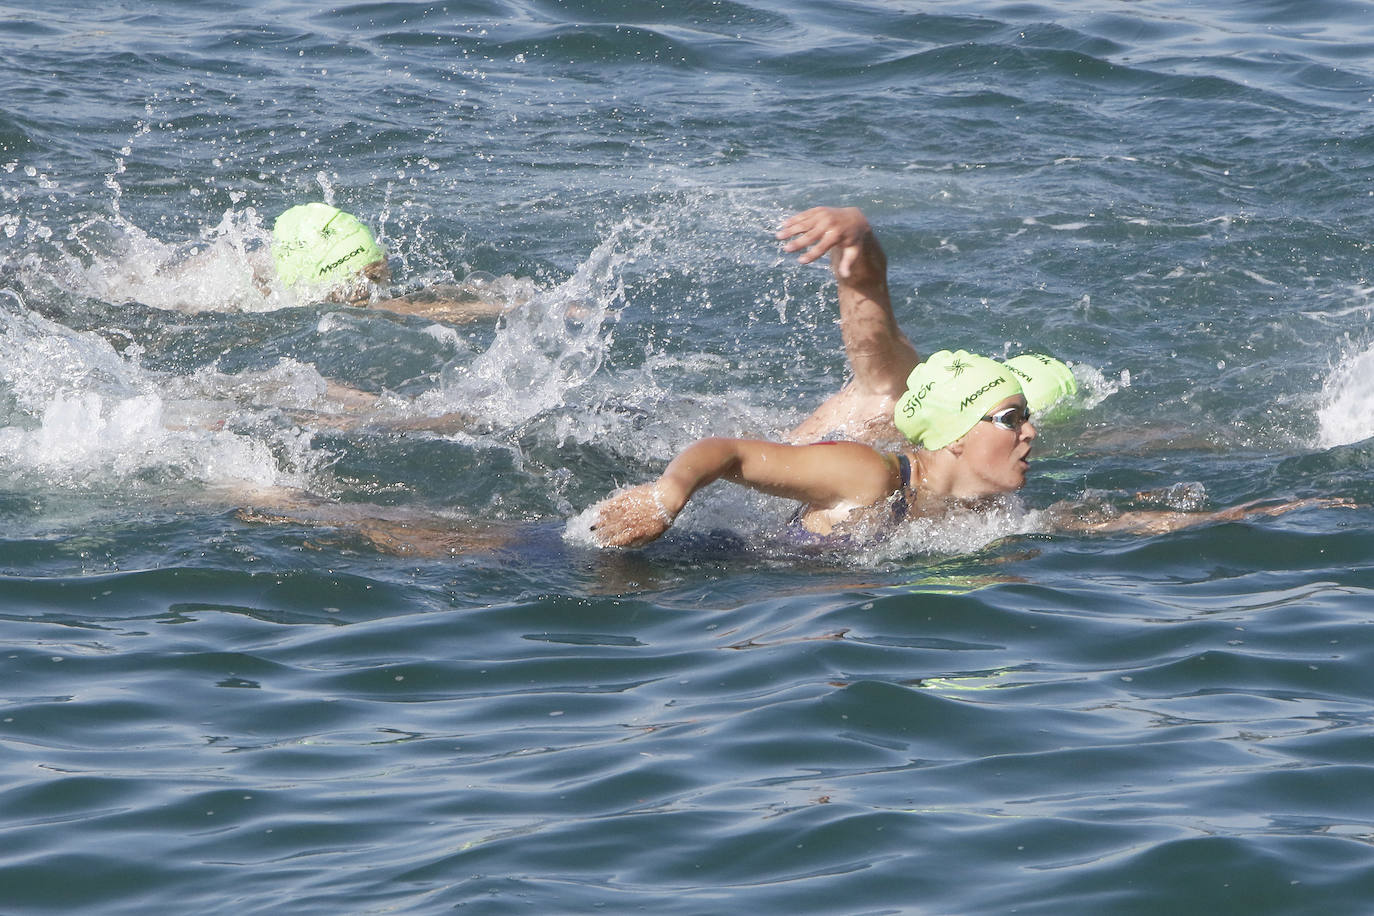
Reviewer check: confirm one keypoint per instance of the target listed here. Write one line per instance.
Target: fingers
(1256, 507)
(817, 238)
(1317, 502)
(817, 249)
(630, 518)
(1334, 502)
(801, 222)
(818, 242)
(823, 230)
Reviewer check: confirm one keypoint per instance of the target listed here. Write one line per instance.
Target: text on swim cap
(1016, 372)
(981, 391)
(328, 267)
(913, 400)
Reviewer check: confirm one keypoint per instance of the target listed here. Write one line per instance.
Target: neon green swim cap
(316, 243)
(1045, 380)
(948, 394)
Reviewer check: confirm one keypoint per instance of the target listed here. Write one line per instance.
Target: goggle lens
(1009, 418)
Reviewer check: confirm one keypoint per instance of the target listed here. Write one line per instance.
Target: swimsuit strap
(900, 507)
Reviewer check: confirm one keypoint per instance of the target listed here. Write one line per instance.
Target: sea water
(264, 650)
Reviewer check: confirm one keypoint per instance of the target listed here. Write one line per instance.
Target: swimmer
(960, 423)
(969, 438)
(319, 250)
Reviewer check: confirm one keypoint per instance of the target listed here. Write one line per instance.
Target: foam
(1343, 413)
(81, 414)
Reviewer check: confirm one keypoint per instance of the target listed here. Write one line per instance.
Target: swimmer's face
(996, 459)
(378, 272)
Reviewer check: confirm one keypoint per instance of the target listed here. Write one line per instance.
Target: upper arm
(823, 475)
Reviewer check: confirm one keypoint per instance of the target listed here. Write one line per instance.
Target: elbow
(704, 461)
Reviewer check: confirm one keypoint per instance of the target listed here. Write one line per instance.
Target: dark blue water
(414, 688)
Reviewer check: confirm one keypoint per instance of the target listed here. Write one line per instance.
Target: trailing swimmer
(321, 251)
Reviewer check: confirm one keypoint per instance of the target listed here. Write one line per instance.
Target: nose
(1028, 430)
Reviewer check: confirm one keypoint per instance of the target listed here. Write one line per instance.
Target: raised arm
(825, 475)
(879, 354)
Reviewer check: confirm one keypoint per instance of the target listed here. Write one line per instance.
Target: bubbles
(560, 342)
(544, 348)
(1186, 496)
(85, 439)
(228, 269)
(578, 529)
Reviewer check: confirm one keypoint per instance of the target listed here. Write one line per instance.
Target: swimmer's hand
(631, 518)
(842, 231)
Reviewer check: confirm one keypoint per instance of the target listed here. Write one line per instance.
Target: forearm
(701, 463)
(880, 355)
(638, 515)
(452, 310)
(823, 476)
(1076, 517)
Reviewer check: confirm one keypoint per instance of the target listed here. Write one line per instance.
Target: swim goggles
(1009, 418)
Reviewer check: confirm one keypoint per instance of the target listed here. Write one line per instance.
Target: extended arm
(824, 476)
(453, 304)
(1163, 521)
(879, 354)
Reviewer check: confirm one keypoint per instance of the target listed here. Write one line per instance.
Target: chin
(1021, 475)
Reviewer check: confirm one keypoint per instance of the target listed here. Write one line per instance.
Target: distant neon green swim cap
(948, 394)
(1045, 380)
(316, 243)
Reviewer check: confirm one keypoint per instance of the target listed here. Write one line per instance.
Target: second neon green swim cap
(316, 243)
(1045, 380)
(948, 394)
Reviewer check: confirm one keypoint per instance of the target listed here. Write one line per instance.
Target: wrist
(661, 506)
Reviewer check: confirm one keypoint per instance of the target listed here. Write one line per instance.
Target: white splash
(1094, 386)
(77, 413)
(1343, 414)
(227, 269)
(547, 346)
(956, 533)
